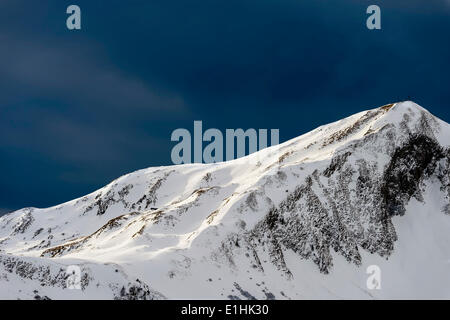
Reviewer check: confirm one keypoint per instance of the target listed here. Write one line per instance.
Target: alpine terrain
(301, 220)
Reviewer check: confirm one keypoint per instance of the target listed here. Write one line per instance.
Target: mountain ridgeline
(300, 220)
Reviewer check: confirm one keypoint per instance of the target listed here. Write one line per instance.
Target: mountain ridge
(325, 202)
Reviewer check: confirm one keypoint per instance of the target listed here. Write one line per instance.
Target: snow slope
(296, 221)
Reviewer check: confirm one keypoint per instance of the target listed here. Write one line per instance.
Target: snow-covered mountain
(300, 220)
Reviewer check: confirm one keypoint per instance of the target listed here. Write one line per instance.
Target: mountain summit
(304, 219)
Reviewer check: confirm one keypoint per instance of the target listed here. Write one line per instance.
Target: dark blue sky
(80, 108)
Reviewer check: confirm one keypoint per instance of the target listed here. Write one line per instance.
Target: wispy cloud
(81, 74)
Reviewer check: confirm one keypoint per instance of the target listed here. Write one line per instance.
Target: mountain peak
(403, 106)
(370, 189)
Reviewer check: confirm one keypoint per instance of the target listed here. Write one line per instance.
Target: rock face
(300, 220)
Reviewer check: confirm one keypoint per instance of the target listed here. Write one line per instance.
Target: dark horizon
(78, 109)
